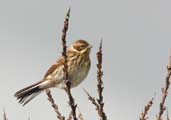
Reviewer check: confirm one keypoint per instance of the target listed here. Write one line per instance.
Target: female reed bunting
(78, 62)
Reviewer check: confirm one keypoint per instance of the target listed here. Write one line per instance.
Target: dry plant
(5, 116)
(98, 102)
(93, 101)
(80, 116)
(162, 108)
(55, 107)
(70, 116)
(100, 83)
(68, 84)
(146, 109)
(65, 69)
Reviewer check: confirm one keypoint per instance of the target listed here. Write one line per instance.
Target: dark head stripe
(82, 41)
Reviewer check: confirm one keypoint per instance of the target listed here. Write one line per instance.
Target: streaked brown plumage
(78, 67)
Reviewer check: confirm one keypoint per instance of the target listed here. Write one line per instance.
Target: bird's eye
(83, 46)
(79, 47)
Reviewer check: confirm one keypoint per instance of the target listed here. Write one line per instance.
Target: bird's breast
(79, 74)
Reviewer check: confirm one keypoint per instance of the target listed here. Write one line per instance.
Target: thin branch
(55, 107)
(68, 84)
(93, 100)
(100, 83)
(165, 91)
(80, 116)
(98, 103)
(70, 116)
(5, 116)
(146, 109)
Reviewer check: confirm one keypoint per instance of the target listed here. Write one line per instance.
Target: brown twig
(99, 103)
(55, 107)
(100, 83)
(146, 109)
(5, 116)
(93, 100)
(164, 91)
(80, 116)
(68, 90)
(70, 116)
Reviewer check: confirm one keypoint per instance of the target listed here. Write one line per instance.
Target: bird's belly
(78, 77)
(75, 77)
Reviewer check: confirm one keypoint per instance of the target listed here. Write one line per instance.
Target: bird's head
(81, 46)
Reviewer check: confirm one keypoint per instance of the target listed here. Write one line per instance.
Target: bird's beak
(90, 46)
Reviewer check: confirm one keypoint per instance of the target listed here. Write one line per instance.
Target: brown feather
(20, 91)
(53, 67)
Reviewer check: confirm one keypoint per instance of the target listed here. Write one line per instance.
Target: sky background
(136, 47)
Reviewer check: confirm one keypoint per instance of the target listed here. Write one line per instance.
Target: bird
(78, 61)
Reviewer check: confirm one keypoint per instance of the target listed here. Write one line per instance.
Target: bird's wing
(54, 66)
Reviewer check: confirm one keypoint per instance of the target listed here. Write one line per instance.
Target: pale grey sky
(136, 44)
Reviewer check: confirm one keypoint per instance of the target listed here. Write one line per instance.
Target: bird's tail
(25, 95)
